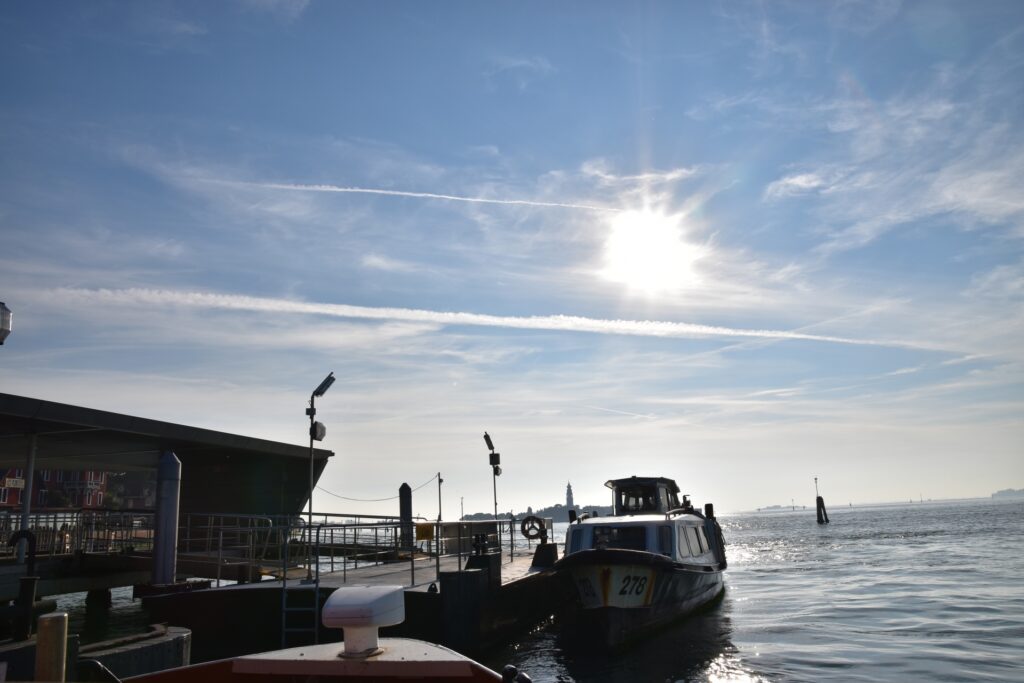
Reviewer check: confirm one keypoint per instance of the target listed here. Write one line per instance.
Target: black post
(405, 517)
(822, 514)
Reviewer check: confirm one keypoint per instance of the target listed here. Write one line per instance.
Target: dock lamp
(495, 459)
(317, 432)
(5, 322)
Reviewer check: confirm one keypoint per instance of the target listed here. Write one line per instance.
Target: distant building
(568, 497)
(54, 489)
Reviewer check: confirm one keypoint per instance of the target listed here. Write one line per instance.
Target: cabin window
(641, 499)
(704, 545)
(691, 536)
(575, 540)
(665, 540)
(684, 548)
(623, 537)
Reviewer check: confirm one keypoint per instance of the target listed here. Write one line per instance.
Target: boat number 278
(633, 585)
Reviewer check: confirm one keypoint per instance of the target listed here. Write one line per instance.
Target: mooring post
(52, 647)
(168, 498)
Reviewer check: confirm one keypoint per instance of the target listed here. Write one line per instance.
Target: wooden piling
(52, 647)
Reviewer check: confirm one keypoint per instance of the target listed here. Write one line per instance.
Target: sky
(737, 244)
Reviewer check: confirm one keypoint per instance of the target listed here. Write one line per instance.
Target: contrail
(418, 195)
(557, 323)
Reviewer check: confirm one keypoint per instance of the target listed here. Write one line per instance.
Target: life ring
(533, 527)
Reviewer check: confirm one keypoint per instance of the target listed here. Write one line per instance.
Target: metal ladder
(290, 595)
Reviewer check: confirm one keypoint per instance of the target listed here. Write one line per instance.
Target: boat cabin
(682, 538)
(644, 495)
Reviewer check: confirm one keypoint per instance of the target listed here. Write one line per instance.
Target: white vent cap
(361, 610)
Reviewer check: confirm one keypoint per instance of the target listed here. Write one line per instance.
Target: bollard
(21, 622)
(52, 647)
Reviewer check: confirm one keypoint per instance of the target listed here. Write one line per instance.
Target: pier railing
(220, 546)
(288, 547)
(72, 531)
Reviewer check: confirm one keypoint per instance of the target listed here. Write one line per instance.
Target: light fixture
(5, 322)
(495, 460)
(317, 432)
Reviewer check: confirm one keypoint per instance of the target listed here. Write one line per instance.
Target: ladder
(300, 601)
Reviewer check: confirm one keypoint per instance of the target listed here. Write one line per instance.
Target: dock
(454, 601)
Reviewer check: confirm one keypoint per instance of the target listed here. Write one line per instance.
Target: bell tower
(569, 505)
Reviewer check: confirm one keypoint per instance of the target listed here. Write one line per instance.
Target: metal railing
(273, 545)
(73, 531)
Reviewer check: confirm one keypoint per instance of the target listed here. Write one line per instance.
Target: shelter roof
(72, 437)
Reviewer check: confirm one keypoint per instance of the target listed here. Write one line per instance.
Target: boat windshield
(624, 537)
(637, 499)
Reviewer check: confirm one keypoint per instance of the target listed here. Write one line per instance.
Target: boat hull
(622, 593)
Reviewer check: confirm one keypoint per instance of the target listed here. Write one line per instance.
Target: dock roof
(76, 438)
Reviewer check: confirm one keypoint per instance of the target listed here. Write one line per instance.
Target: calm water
(923, 592)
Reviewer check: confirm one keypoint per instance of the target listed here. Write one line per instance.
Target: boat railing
(680, 511)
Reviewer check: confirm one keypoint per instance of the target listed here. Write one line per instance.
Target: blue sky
(737, 244)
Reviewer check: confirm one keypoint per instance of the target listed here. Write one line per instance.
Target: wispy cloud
(562, 323)
(793, 185)
(522, 71)
(390, 265)
(601, 170)
(293, 187)
(287, 9)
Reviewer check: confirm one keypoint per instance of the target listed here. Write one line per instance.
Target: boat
(654, 560)
(363, 656)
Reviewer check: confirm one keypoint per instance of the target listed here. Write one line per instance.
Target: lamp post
(495, 459)
(5, 322)
(317, 431)
(439, 482)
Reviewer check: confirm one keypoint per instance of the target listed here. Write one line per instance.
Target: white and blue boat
(654, 560)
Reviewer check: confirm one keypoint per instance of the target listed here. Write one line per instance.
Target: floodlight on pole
(317, 432)
(495, 460)
(5, 322)
(324, 386)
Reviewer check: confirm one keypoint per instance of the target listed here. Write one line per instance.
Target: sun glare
(646, 252)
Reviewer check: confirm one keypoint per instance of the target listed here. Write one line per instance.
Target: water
(922, 592)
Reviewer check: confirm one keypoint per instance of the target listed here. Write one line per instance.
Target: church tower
(568, 497)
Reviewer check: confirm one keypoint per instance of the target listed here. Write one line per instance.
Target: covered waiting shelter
(220, 472)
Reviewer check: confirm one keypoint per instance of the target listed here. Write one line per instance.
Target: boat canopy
(643, 495)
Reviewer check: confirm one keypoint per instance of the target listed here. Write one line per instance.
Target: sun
(647, 252)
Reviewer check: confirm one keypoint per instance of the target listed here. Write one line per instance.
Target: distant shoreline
(906, 503)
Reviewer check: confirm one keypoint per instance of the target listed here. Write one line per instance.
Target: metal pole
(816, 486)
(309, 529)
(26, 494)
(494, 478)
(437, 536)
